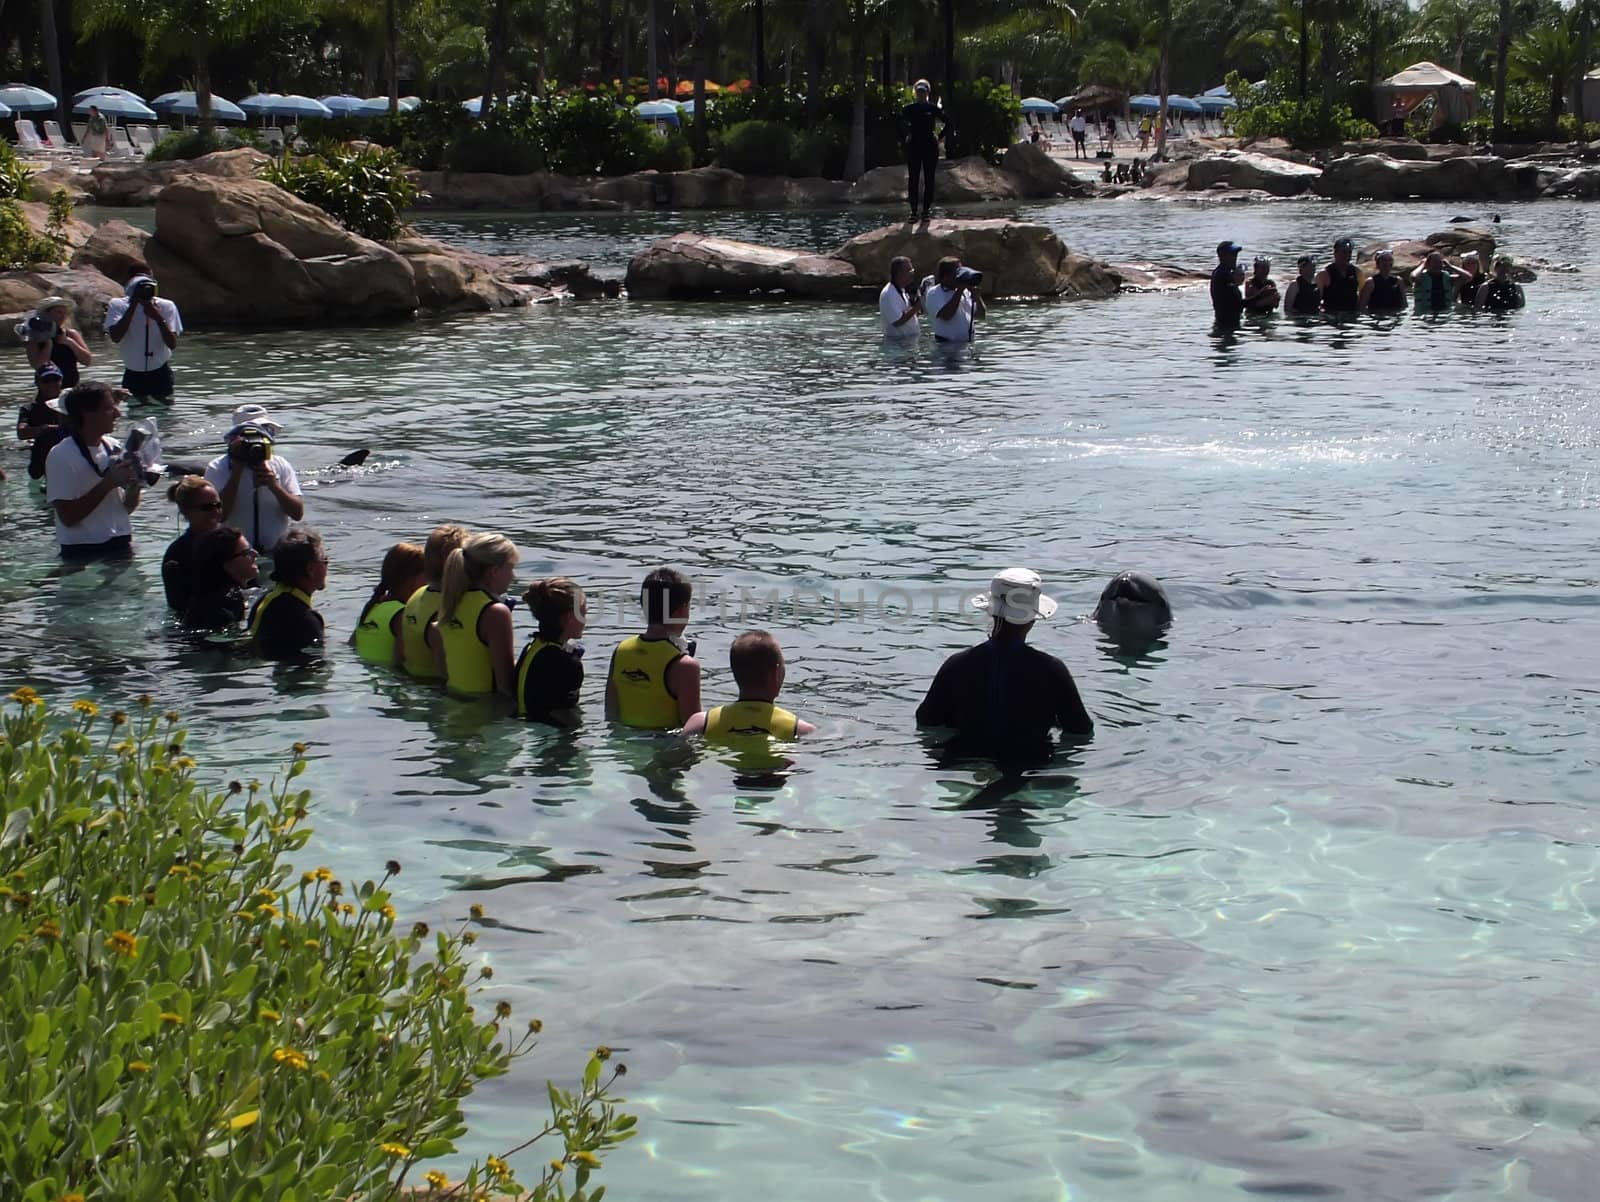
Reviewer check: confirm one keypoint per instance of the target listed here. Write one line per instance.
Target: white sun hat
(1016, 595)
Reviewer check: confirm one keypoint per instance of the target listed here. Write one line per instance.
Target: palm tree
(1444, 29)
(1546, 56)
(50, 43)
(1583, 16)
(1502, 53)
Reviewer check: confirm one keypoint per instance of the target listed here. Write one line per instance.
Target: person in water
(898, 305)
(283, 624)
(90, 482)
(1226, 300)
(1384, 292)
(1501, 293)
(757, 663)
(1303, 297)
(41, 419)
(917, 120)
(1002, 697)
(1339, 282)
(653, 682)
(1472, 278)
(413, 651)
(377, 634)
(50, 338)
(200, 506)
(1260, 292)
(472, 639)
(550, 669)
(223, 566)
(1435, 283)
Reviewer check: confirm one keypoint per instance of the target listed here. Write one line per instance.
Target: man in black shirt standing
(922, 147)
(1226, 299)
(1003, 697)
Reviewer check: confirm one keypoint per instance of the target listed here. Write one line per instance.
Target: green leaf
(38, 1034)
(105, 1134)
(16, 826)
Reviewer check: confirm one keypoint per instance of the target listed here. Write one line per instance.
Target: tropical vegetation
(185, 1016)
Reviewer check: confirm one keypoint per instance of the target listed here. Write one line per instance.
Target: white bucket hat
(253, 415)
(1016, 595)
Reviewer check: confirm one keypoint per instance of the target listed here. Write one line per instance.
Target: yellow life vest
(746, 719)
(375, 634)
(639, 680)
(271, 595)
(529, 654)
(468, 668)
(421, 609)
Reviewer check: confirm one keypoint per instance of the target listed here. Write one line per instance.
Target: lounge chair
(143, 138)
(125, 144)
(57, 139)
(32, 144)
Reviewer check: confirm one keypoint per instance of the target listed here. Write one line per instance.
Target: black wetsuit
(216, 610)
(1436, 290)
(1307, 297)
(1388, 293)
(177, 571)
(551, 684)
(1502, 296)
(1226, 299)
(61, 355)
(288, 629)
(922, 150)
(1004, 697)
(1343, 293)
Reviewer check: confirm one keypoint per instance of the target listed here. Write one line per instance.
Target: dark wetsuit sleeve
(938, 707)
(1071, 717)
(287, 632)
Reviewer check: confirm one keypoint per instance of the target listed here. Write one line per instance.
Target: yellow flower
(346, 908)
(476, 911)
(26, 696)
(486, 972)
(178, 870)
(602, 1052)
(436, 1179)
(587, 1159)
(119, 719)
(119, 899)
(47, 930)
(87, 708)
(183, 763)
(240, 1121)
(268, 911)
(498, 1167)
(398, 1151)
(312, 943)
(123, 748)
(168, 1016)
(123, 943)
(270, 1016)
(557, 1167)
(469, 937)
(387, 911)
(172, 715)
(291, 1057)
(307, 877)
(324, 874)
(70, 1198)
(138, 1066)
(535, 1026)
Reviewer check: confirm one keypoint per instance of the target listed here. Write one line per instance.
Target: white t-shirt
(891, 304)
(68, 476)
(142, 347)
(959, 327)
(274, 522)
(1079, 124)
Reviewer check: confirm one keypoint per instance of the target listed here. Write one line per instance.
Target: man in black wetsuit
(1502, 292)
(1227, 302)
(1339, 282)
(1003, 697)
(922, 148)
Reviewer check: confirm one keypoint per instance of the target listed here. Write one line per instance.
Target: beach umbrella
(270, 104)
(378, 106)
(1220, 90)
(1145, 104)
(5, 111)
(1216, 104)
(112, 105)
(658, 110)
(475, 105)
(341, 106)
(25, 98)
(1037, 104)
(185, 104)
(107, 90)
(1182, 104)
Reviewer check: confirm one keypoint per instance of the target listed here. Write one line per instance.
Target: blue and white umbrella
(186, 104)
(1145, 104)
(659, 110)
(378, 106)
(25, 98)
(5, 111)
(108, 90)
(475, 105)
(1221, 90)
(1182, 104)
(1216, 104)
(112, 105)
(270, 104)
(1038, 104)
(342, 106)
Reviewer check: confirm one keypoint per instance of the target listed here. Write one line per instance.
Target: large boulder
(21, 292)
(243, 251)
(1473, 177)
(481, 190)
(956, 181)
(44, 184)
(453, 281)
(113, 249)
(1016, 258)
(1454, 242)
(1039, 174)
(1581, 183)
(73, 234)
(697, 265)
(1244, 170)
(706, 188)
(143, 183)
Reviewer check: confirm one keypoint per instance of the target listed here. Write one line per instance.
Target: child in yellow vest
(653, 682)
(757, 663)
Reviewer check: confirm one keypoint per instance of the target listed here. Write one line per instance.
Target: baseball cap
(1228, 247)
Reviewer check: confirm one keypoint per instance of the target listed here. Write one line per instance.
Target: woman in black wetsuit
(1340, 282)
(224, 565)
(63, 345)
(1303, 297)
(199, 503)
(1384, 292)
(1501, 293)
(922, 148)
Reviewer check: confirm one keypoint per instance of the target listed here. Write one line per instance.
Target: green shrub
(983, 119)
(1273, 112)
(589, 135)
(20, 246)
(497, 151)
(184, 1017)
(670, 152)
(367, 191)
(191, 144)
(14, 175)
(816, 152)
(757, 148)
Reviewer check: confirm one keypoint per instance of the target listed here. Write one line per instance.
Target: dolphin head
(1133, 608)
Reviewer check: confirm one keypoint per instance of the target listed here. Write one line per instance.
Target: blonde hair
(466, 565)
(441, 542)
(401, 565)
(550, 601)
(184, 491)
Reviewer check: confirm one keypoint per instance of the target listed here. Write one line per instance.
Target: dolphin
(1133, 608)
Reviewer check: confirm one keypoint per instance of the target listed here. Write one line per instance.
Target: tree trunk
(855, 159)
(888, 61)
(1161, 83)
(816, 58)
(1329, 66)
(202, 97)
(625, 47)
(761, 43)
(1305, 52)
(702, 25)
(1502, 53)
(650, 45)
(50, 43)
(497, 57)
(391, 54)
(948, 8)
(1585, 32)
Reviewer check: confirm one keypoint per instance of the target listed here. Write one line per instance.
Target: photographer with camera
(93, 482)
(954, 301)
(50, 338)
(145, 329)
(260, 492)
(898, 306)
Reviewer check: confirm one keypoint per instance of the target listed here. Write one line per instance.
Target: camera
(40, 328)
(251, 447)
(142, 448)
(969, 277)
(145, 291)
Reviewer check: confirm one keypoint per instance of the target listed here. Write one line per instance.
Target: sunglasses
(248, 551)
(208, 506)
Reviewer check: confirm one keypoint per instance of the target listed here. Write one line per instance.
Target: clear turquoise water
(1314, 914)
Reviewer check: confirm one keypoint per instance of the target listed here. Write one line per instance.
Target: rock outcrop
(1473, 177)
(143, 183)
(1017, 259)
(21, 292)
(1453, 242)
(113, 249)
(1041, 175)
(1243, 170)
(955, 181)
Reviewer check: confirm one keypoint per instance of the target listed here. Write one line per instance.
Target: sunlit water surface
(1313, 915)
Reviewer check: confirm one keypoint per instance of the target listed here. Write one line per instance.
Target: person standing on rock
(898, 306)
(1384, 292)
(1080, 135)
(145, 328)
(1340, 281)
(1227, 302)
(922, 148)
